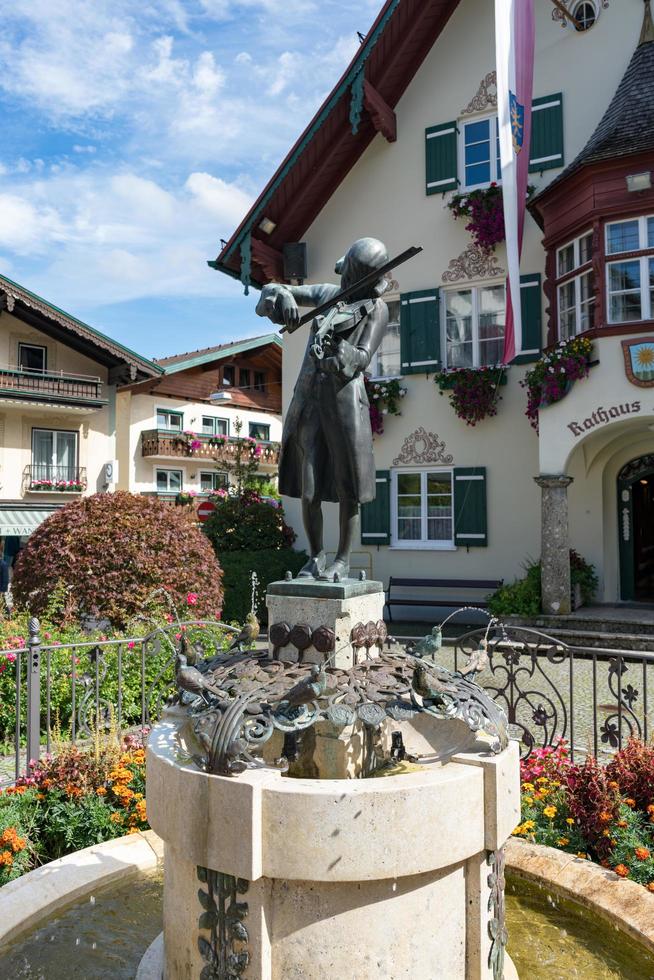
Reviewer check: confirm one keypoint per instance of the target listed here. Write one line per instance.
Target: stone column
(555, 544)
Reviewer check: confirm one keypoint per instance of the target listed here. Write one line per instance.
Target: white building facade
(411, 123)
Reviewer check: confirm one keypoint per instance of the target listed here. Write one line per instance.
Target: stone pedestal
(555, 545)
(308, 879)
(313, 621)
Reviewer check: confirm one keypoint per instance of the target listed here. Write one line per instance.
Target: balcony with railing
(44, 478)
(58, 387)
(167, 444)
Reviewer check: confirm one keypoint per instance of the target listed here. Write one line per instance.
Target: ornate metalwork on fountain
(301, 637)
(226, 951)
(367, 635)
(247, 697)
(496, 906)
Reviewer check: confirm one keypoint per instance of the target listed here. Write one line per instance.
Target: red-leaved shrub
(632, 768)
(111, 552)
(593, 804)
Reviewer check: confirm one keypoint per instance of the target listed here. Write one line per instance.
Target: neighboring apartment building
(58, 382)
(412, 121)
(177, 429)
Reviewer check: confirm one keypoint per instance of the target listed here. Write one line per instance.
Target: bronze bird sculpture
(247, 636)
(191, 681)
(478, 660)
(306, 690)
(429, 685)
(429, 645)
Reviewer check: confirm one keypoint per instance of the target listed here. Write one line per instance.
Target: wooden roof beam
(269, 260)
(383, 118)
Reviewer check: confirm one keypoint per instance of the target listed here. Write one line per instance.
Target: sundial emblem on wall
(639, 361)
(485, 97)
(423, 447)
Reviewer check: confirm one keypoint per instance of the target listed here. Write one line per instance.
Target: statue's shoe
(314, 567)
(336, 571)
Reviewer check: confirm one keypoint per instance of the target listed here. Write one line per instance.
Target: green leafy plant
(474, 392)
(245, 521)
(112, 552)
(523, 597)
(270, 565)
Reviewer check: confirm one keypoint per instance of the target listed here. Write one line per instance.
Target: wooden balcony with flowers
(167, 444)
(40, 478)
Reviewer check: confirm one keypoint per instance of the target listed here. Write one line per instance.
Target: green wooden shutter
(470, 527)
(376, 515)
(440, 158)
(420, 332)
(546, 133)
(531, 307)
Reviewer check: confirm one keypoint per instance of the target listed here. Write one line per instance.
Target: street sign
(205, 510)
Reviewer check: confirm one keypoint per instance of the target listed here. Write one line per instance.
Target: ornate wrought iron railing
(594, 698)
(163, 442)
(52, 385)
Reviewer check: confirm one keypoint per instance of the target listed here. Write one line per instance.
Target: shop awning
(21, 522)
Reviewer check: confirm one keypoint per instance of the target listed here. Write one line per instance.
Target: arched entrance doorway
(636, 529)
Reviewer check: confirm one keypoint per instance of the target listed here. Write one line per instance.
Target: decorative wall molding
(473, 263)
(557, 14)
(423, 447)
(486, 96)
(392, 287)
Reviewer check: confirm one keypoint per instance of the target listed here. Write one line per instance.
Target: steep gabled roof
(379, 74)
(41, 314)
(627, 126)
(181, 362)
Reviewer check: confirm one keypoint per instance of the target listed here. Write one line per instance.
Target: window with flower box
(630, 280)
(213, 480)
(575, 286)
(474, 321)
(169, 481)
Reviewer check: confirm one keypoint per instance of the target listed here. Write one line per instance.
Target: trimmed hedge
(269, 565)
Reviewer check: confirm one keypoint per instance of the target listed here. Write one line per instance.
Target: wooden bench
(488, 585)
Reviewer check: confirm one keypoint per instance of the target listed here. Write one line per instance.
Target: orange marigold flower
(563, 841)
(650, 808)
(133, 830)
(622, 823)
(622, 870)
(613, 784)
(116, 818)
(605, 817)
(6, 859)
(570, 821)
(101, 791)
(650, 886)
(630, 802)
(641, 853)
(581, 854)
(40, 796)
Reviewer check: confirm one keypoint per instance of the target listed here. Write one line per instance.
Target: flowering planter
(57, 487)
(473, 391)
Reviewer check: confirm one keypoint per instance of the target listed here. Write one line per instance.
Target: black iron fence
(594, 698)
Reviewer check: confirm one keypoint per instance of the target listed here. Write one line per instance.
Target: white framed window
(54, 455)
(169, 419)
(630, 288)
(213, 480)
(473, 325)
(214, 427)
(422, 508)
(169, 481)
(575, 296)
(585, 14)
(630, 235)
(386, 361)
(32, 357)
(479, 153)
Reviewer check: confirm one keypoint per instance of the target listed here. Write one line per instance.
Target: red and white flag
(514, 56)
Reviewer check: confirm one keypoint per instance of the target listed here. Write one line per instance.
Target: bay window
(630, 281)
(576, 294)
(422, 508)
(474, 326)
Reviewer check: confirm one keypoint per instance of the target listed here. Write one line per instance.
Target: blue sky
(136, 134)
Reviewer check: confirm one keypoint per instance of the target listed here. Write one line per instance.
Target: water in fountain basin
(101, 938)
